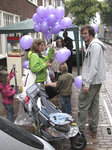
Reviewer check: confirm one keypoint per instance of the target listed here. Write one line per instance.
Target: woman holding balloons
(55, 64)
(39, 63)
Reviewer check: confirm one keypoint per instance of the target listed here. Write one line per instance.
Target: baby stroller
(50, 123)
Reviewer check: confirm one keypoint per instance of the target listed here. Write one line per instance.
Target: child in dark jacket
(7, 93)
(64, 86)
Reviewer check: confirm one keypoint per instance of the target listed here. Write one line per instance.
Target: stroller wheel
(78, 143)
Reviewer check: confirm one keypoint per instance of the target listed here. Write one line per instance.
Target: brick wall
(19, 7)
(40, 3)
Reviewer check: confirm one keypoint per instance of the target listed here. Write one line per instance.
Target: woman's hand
(52, 46)
(48, 63)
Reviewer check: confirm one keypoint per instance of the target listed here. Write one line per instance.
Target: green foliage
(83, 10)
(106, 14)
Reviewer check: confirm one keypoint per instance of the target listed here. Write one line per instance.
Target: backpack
(28, 78)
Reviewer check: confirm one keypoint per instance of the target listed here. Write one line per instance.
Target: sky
(98, 16)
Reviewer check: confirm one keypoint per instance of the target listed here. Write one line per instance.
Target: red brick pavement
(95, 141)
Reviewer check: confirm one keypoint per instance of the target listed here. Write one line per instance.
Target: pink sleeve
(11, 93)
(11, 75)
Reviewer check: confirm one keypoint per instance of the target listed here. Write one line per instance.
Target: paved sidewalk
(102, 140)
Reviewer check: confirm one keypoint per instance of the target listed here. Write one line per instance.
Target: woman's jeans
(66, 104)
(10, 111)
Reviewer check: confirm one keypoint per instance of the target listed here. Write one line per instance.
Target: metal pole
(77, 50)
(82, 48)
(15, 79)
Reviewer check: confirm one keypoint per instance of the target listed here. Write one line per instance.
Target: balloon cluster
(62, 55)
(78, 82)
(49, 20)
(95, 27)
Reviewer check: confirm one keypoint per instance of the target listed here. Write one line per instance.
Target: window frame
(34, 2)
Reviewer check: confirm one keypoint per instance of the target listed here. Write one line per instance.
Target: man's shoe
(93, 130)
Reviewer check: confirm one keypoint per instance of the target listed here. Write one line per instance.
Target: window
(47, 2)
(6, 19)
(33, 2)
(58, 3)
(53, 2)
(44, 4)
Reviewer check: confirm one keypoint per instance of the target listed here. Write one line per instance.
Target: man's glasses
(84, 33)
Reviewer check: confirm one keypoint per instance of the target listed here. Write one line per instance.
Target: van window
(70, 34)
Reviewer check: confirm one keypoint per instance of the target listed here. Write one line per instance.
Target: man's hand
(85, 90)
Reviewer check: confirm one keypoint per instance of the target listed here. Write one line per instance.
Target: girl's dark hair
(3, 76)
(35, 45)
(63, 43)
(90, 29)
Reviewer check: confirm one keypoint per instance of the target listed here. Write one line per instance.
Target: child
(64, 86)
(7, 93)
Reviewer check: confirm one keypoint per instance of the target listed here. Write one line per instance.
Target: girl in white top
(55, 64)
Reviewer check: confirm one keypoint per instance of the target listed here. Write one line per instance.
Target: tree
(83, 11)
(106, 14)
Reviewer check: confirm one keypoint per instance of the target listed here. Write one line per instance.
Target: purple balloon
(51, 19)
(58, 18)
(95, 27)
(37, 27)
(66, 22)
(78, 82)
(69, 52)
(41, 11)
(44, 26)
(59, 12)
(35, 18)
(49, 10)
(26, 64)
(62, 55)
(39, 19)
(56, 28)
(26, 42)
(62, 27)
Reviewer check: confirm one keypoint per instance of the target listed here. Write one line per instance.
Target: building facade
(19, 10)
